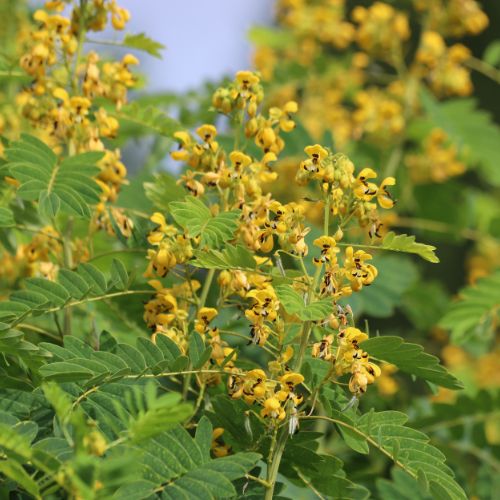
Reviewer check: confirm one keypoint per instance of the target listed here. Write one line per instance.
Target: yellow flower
(316, 152)
(324, 242)
(272, 408)
(119, 16)
(384, 198)
(363, 189)
(204, 316)
(246, 79)
(240, 160)
(353, 335)
(207, 133)
(290, 380)
(218, 448)
(321, 349)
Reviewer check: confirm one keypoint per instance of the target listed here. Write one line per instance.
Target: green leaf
(203, 436)
(14, 444)
(231, 257)
(163, 190)
(425, 303)
(150, 415)
(402, 487)
(119, 275)
(468, 423)
(93, 277)
(15, 472)
(405, 243)
(475, 314)
(142, 42)
(6, 217)
(396, 274)
(293, 303)
(386, 431)
(196, 218)
(492, 53)
(198, 353)
(49, 204)
(175, 461)
(64, 371)
(410, 358)
(67, 185)
(55, 292)
(471, 129)
(146, 120)
(73, 282)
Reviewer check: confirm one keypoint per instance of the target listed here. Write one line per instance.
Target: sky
(205, 39)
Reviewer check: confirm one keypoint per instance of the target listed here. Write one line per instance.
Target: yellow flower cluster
(349, 358)
(346, 195)
(378, 115)
(372, 91)
(61, 102)
(454, 17)
(168, 311)
(442, 66)
(323, 22)
(437, 162)
(381, 30)
(40, 256)
(236, 181)
(274, 396)
(172, 248)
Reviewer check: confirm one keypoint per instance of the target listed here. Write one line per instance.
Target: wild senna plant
(247, 336)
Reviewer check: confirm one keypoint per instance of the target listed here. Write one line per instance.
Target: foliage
(410, 358)
(475, 314)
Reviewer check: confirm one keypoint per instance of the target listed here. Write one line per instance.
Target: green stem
(275, 454)
(484, 68)
(40, 331)
(326, 221)
(68, 264)
(278, 447)
(394, 160)
(206, 287)
(203, 298)
(304, 339)
(83, 301)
